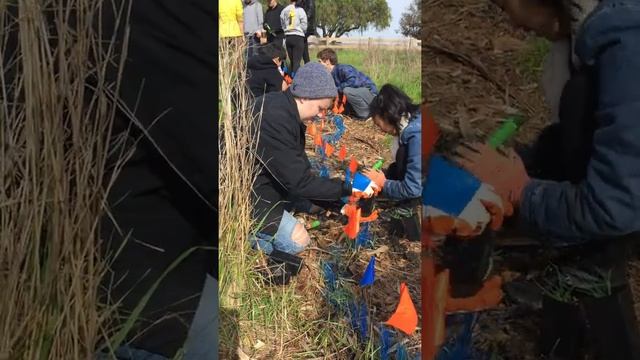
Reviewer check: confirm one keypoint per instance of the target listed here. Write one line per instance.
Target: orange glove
(487, 297)
(506, 174)
(376, 176)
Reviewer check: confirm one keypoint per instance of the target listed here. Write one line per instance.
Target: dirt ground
(397, 259)
(471, 80)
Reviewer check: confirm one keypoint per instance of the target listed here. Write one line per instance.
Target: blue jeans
(281, 240)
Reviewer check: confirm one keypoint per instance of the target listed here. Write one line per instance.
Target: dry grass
(54, 149)
(237, 172)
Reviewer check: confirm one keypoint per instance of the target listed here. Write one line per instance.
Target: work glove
(362, 186)
(457, 204)
(506, 174)
(377, 177)
(486, 208)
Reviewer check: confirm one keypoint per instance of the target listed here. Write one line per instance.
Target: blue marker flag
(448, 187)
(385, 338)
(401, 353)
(370, 273)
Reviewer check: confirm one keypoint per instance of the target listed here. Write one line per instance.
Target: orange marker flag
(430, 133)
(311, 130)
(343, 153)
(353, 165)
(328, 149)
(405, 318)
(317, 139)
(353, 226)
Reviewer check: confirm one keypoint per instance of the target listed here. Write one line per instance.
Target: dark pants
(305, 54)
(295, 48)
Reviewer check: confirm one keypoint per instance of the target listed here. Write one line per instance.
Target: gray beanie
(313, 81)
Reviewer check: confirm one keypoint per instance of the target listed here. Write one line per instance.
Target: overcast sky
(397, 8)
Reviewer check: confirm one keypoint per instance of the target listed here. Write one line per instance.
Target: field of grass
(289, 322)
(397, 67)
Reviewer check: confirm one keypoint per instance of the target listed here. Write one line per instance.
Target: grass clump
(57, 108)
(531, 60)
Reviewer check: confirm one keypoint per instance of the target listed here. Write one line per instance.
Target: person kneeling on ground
(284, 179)
(358, 88)
(264, 70)
(394, 113)
(577, 189)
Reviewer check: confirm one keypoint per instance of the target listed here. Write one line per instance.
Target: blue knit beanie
(313, 81)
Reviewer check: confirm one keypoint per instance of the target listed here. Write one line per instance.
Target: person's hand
(486, 208)
(363, 186)
(376, 176)
(539, 16)
(506, 174)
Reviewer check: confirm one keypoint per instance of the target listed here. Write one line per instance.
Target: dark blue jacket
(348, 76)
(411, 186)
(606, 203)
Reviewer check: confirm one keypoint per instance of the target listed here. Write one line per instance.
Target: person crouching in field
(284, 177)
(395, 114)
(264, 70)
(358, 88)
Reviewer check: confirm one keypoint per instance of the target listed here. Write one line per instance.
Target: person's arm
(285, 86)
(279, 152)
(260, 20)
(607, 202)
(283, 19)
(303, 20)
(411, 186)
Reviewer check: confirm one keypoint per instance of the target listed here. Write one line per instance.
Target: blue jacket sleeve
(607, 202)
(411, 186)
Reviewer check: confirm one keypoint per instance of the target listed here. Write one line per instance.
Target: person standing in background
(294, 22)
(253, 23)
(309, 7)
(230, 19)
(272, 23)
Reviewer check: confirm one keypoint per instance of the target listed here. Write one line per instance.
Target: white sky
(397, 8)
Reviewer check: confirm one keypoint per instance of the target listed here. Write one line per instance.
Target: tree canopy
(338, 17)
(411, 20)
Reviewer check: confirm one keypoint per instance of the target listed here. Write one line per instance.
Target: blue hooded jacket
(411, 186)
(348, 76)
(606, 203)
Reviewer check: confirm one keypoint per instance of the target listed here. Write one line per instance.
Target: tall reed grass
(57, 107)
(237, 142)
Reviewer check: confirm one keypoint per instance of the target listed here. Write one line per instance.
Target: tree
(338, 17)
(411, 20)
